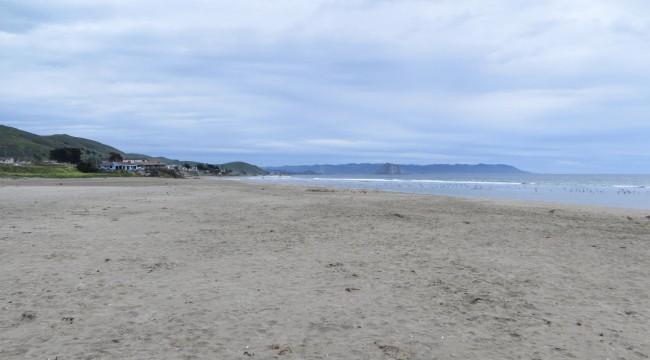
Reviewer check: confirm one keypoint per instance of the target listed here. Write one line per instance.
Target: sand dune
(216, 269)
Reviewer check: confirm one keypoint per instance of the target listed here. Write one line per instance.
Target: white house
(131, 165)
(119, 165)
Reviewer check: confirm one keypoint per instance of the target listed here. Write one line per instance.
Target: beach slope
(139, 268)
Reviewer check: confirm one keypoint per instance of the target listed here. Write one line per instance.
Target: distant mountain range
(394, 169)
(23, 145)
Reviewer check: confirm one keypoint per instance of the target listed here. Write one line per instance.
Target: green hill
(23, 145)
(242, 168)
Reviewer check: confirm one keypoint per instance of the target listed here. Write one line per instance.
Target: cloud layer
(553, 86)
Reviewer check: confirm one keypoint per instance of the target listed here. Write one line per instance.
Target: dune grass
(59, 171)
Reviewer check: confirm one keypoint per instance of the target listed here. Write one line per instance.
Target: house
(120, 166)
(132, 165)
(151, 164)
(7, 161)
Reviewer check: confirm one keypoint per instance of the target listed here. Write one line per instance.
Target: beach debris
(351, 289)
(320, 190)
(552, 211)
(334, 265)
(630, 218)
(389, 350)
(398, 215)
(28, 316)
(249, 354)
(282, 349)
(159, 266)
(630, 312)
(68, 319)
(648, 217)
(107, 260)
(466, 222)
(115, 341)
(476, 300)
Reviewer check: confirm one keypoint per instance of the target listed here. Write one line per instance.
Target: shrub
(115, 157)
(165, 173)
(87, 167)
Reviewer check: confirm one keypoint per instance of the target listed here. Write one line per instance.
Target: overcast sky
(548, 86)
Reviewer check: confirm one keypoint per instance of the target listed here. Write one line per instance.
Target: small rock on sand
(389, 350)
(28, 316)
(282, 349)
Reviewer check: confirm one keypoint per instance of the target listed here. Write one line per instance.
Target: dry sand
(216, 269)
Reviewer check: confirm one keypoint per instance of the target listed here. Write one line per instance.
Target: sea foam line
(462, 182)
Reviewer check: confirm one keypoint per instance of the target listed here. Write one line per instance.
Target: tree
(187, 166)
(213, 169)
(88, 166)
(115, 157)
(66, 155)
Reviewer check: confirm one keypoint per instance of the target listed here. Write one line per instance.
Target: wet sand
(216, 269)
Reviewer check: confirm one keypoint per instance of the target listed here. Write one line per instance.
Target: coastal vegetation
(241, 168)
(51, 171)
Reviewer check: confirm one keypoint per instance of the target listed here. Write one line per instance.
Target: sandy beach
(138, 268)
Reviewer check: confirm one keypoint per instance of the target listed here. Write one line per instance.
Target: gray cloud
(543, 86)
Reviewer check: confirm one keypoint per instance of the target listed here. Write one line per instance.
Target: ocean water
(622, 191)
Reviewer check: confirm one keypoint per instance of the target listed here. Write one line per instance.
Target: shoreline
(600, 192)
(154, 181)
(496, 201)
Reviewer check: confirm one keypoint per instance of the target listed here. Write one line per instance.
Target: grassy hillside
(92, 147)
(242, 168)
(23, 145)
